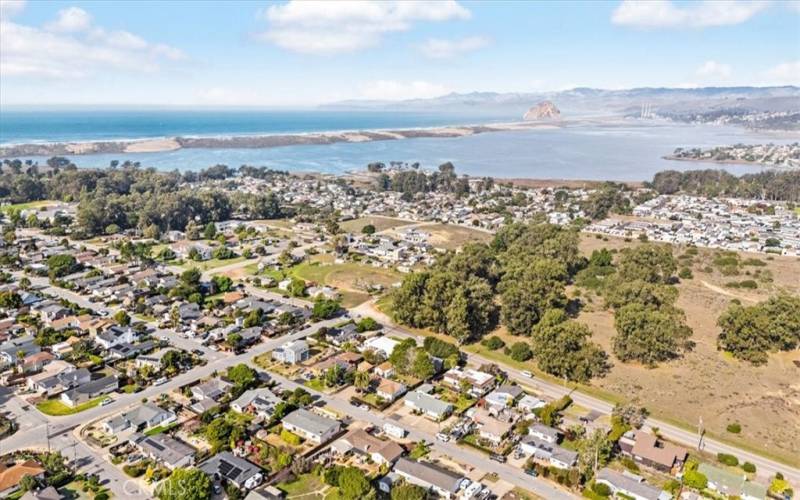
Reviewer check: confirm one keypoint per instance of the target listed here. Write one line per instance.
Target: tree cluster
(750, 332)
(650, 329)
(412, 182)
(767, 185)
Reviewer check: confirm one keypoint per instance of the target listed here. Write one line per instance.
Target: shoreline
(731, 162)
(263, 141)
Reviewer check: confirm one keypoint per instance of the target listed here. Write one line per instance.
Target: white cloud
(70, 20)
(437, 48)
(787, 73)
(323, 27)
(9, 8)
(714, 70)
(666, 14)
(389, 90)
(72, 47)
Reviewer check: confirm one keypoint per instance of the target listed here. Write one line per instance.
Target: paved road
(765, 466)
(472, 458)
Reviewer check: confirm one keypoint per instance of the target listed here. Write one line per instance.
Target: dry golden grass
(450, 237)
(706, 383)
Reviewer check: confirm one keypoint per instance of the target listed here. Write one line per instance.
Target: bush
(494, 343)
(696, 480)
(734, 428)
(289, 437)
(520, 351)
(134, 470)
(672, 486)
(601, 489)
(367, 325)
(727, 459)
(748, 467)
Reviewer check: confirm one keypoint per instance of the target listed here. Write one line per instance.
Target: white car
(526, 373)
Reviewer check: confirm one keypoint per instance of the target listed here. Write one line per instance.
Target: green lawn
(31, 204)
(54, 407)
(160, 429)
(206, 265)
(317, 384)
(306, 484)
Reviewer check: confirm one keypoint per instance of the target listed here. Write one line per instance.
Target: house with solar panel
(229, 468)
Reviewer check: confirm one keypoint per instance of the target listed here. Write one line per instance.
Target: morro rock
(545, 110)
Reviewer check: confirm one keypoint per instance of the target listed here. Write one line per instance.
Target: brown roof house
(361, 442)
(11, 476)
(653, 452)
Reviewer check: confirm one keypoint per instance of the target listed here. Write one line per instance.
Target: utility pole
(700, 433)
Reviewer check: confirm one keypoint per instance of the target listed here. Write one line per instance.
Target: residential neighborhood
(237, 355)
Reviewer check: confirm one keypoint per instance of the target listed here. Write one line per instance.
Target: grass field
(350, 278)
(450, 237)
(706, 383)
(206, 265)
(380, 223)
(29, 205)
(55, 408)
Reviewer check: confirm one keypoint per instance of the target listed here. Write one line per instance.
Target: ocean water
(30, 126)
(628, 151)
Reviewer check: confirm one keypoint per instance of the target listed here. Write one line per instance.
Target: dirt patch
(381, 223)
(450, 236)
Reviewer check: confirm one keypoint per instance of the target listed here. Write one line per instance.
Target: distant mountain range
(588, 102)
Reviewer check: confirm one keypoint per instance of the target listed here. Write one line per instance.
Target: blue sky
(304, 53)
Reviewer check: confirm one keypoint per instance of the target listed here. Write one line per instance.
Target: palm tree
(361, 380)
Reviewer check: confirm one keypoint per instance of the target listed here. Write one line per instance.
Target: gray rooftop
(432, 474)
(310, 422)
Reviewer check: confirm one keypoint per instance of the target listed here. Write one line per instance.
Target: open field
(205, 265)
(29, 205)
(55, 408)
(380, 223)
(450, 237)
(350, 278)
(705, 383)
